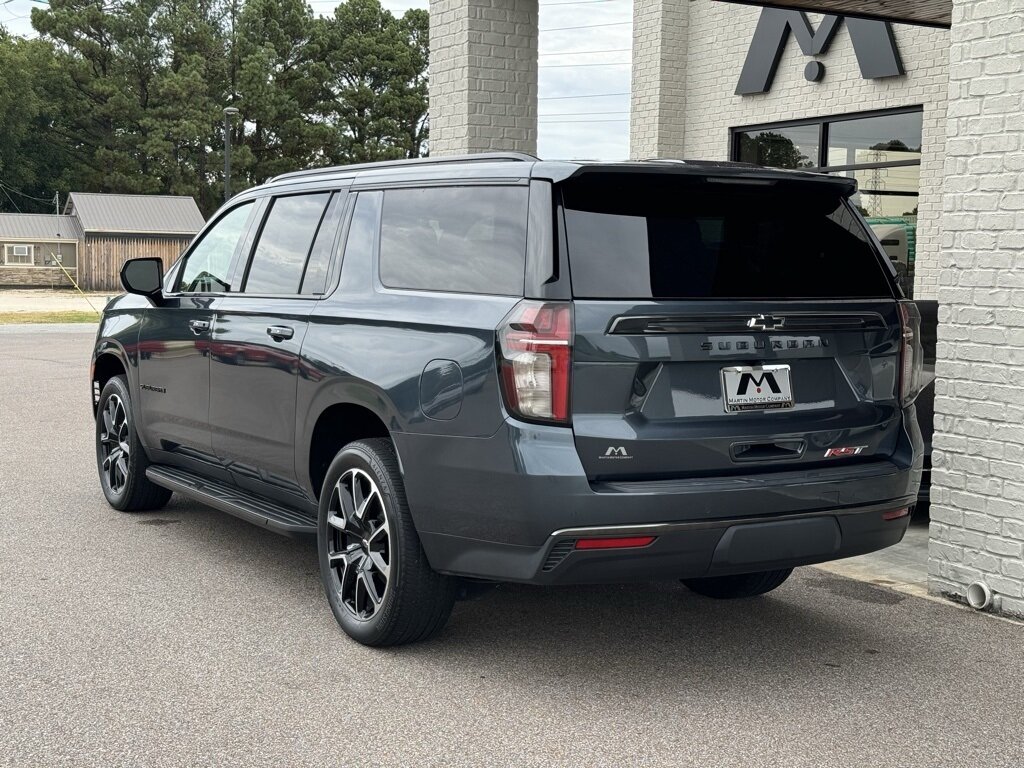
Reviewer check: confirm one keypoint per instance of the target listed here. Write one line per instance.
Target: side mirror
(144, 277)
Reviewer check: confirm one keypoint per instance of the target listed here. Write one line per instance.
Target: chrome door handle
(280, 332)
(199, 326)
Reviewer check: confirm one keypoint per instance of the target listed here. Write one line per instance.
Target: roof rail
(480, 157)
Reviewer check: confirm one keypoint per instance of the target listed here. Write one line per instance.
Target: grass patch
(65, 316)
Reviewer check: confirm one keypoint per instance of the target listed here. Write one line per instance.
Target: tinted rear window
(669, 238)
(461, 239)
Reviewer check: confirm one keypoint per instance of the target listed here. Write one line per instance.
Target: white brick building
(933, 129)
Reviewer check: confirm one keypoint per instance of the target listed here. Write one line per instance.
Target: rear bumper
(680, 550)
(503, 507)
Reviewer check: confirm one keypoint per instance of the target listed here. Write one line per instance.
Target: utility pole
(56, 203)
(229, 112)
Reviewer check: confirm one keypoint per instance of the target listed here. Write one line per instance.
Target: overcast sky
(570, 127)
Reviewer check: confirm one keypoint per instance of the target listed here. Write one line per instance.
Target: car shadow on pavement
(638, 632)
(625, 635)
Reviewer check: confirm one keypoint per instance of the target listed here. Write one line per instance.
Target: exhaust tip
(979, 596)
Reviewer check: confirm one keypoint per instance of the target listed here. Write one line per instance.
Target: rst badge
(843, 453)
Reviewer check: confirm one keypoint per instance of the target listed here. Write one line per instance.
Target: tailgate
(727, 326)
(674, 390)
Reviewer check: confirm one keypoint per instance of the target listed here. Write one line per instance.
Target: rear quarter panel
(371, 348)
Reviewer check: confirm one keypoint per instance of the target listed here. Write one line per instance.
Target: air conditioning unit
(20, 250)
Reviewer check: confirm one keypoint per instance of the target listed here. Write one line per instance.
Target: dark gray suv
(495, 369)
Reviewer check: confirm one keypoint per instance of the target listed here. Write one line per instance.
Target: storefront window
(889, 138)
(797, 147)
(882, 151)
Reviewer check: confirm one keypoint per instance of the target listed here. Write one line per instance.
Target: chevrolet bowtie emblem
(766, 323)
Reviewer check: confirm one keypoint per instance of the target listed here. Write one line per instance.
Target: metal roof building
(135, 214)
(34, 226)
(92, 240)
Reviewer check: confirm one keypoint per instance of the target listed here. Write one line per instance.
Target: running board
(232, 500)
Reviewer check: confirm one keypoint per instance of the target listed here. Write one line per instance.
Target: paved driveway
(186, 637)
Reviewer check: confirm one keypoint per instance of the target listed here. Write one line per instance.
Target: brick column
(483, 76)
(658, 101)
(978, 492)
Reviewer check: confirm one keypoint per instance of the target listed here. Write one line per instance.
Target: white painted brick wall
(483, 76)
(716, 42)
(978, 480)
(658, 93)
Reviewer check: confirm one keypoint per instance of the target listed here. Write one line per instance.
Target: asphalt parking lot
(187, 637)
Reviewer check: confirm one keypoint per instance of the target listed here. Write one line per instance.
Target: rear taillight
(911, 353)
(535, 356)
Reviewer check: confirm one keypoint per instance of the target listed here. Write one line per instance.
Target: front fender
(118, 336)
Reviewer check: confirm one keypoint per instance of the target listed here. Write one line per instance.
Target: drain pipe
(980, 596)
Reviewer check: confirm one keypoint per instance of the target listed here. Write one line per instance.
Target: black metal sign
(873, 42)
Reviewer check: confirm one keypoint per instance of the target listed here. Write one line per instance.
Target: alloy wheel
(115, 444)
(359, 544)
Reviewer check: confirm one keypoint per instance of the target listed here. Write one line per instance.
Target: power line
(578, 2)
(587, 26)
(595, 64)
(17, 191)
(584, 96)
(4, 190)
(573, 114)
(581, 53)
(578, 122)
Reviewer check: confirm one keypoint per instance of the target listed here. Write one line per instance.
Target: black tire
(739, 586)
(415, 601)
(123, 472)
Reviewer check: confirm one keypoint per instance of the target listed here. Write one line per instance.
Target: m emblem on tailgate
(616, 452)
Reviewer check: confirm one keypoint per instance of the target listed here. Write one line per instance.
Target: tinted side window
(206, 267)
(314, 281)
(461, 239)
(284, 244)
(362, 233)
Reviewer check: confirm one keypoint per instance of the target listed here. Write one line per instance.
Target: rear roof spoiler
(716, 172)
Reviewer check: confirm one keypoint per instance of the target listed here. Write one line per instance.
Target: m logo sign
(767, 378)
(873, 42)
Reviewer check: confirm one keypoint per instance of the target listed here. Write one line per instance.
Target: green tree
(36, 158)
(19, 109)
(108, 57)
(183, 121)
(377, 79)
(281, 84)
(128, 95)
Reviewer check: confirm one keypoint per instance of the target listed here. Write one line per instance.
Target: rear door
(257, 337)
(725, 327)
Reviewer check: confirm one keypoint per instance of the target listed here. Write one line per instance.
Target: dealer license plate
(760, 388)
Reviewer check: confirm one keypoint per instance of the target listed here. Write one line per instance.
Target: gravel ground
(44, 300)
(187, 637)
